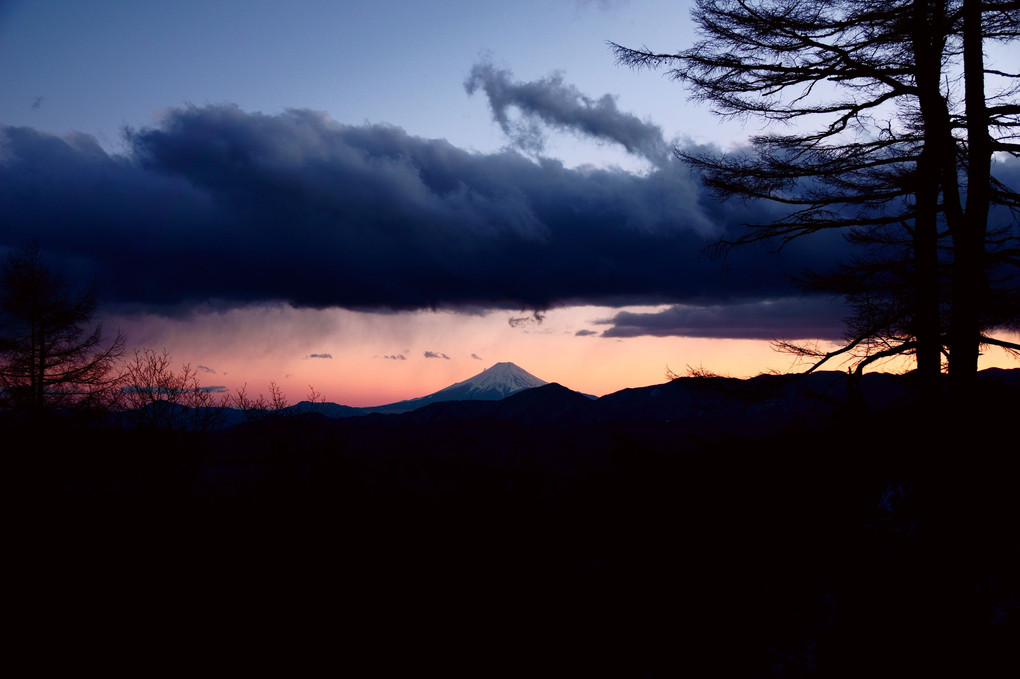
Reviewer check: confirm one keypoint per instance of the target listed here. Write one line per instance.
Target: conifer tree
(52, 353)
(879, 149)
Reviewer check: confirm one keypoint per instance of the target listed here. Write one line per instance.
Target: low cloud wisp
(551, 103)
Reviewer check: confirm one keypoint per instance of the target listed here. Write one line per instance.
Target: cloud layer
(789, 318)
(219, 205)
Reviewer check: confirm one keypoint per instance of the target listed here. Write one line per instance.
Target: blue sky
(382, 198)
(96, 66)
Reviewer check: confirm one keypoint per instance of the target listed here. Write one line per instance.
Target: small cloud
(433, 354)
(602, 5)
(585, 333)
(37, 103)
(476, 357)
(319, 356)
(205, 369)
(535, 318)
(551, 103)
(396, 357)
(134, 388)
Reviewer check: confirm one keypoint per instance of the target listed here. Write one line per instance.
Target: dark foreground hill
(542, 535)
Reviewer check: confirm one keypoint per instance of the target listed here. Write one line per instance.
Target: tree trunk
(969, 282)
(929, 46)
(927, 326)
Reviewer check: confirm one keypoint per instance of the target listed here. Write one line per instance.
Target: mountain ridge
(495, 383)
(761, 404)
(492, 384)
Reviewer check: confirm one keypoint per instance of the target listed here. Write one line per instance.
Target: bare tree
(278, 426)
(160, 397)
(259, 408)
(52, 353)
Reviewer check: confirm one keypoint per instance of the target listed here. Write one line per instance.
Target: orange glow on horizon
(363, 359)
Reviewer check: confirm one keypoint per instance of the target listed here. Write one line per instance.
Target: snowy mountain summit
(491, 384)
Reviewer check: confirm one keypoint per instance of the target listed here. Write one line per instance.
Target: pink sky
(261, 344)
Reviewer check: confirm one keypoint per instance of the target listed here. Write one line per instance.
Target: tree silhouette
(52, 354)
(162, 398)
(880, 149)
(990, 125)
(280, 427)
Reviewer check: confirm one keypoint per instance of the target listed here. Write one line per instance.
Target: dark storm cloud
(217, 205)
(789, 319)
(550, 102)
(435, 354)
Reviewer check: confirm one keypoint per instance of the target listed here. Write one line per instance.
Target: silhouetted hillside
(712, 527)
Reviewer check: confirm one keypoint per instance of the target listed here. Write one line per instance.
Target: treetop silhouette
(882, 147)
(52, 353)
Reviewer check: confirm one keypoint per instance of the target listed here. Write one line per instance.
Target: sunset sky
(382, 198)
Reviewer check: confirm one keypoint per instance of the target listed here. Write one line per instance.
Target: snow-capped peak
(499, 381)
(492, 384)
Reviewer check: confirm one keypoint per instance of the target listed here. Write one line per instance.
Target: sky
(378, 199)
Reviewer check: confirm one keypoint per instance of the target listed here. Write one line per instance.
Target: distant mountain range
(751, 407)
(748, 407)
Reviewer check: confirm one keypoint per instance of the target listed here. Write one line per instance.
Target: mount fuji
(492, 384)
